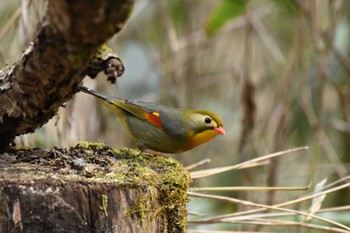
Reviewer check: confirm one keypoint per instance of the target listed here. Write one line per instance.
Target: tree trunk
(91, 188)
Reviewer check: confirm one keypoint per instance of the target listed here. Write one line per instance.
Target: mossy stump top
(91, 188)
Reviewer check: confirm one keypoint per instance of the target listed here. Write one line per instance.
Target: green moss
(164, 174)
(160, 183)
(105, 204)
(23, 147)
(90, 145)
(143, 208)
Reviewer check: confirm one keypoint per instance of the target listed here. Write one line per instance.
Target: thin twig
(249, 163)
(200, 163)
(213, 231)
(248, 203)
(245, 188)
(279, 214)
(284, 223)
(282, 204)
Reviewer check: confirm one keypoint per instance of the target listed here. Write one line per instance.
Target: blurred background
(276, 71)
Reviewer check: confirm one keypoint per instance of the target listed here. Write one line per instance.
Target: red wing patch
(154, 119)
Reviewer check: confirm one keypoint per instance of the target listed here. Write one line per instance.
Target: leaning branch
(50, 70)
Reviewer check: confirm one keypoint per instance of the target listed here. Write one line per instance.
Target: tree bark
(91, 189)
(50, 70)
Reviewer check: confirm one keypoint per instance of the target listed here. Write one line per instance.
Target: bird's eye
(207, 120)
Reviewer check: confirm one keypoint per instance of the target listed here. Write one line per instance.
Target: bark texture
(50, 70)
(91, 189)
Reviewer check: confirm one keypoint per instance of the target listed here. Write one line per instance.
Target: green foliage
(224, 11)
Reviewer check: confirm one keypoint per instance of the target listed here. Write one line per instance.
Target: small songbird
(160, 128)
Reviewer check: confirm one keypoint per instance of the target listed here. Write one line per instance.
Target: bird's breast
(200, 138)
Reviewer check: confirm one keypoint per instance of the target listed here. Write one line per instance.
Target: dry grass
(270, 215)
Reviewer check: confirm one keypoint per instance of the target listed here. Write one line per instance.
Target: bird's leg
(141, 146)
(141, 152)
(157, 153)
(144, 147)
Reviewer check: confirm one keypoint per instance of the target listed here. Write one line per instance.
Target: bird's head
(203, 126)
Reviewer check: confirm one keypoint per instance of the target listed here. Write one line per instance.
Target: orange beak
(220, 130)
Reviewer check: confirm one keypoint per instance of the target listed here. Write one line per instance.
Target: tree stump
(91, 188)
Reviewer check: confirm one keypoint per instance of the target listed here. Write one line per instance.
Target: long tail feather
(94, 93)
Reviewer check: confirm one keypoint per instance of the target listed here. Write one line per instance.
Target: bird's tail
(109, 101)
(94, 93)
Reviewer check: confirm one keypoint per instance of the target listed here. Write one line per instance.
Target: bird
(162, 128)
